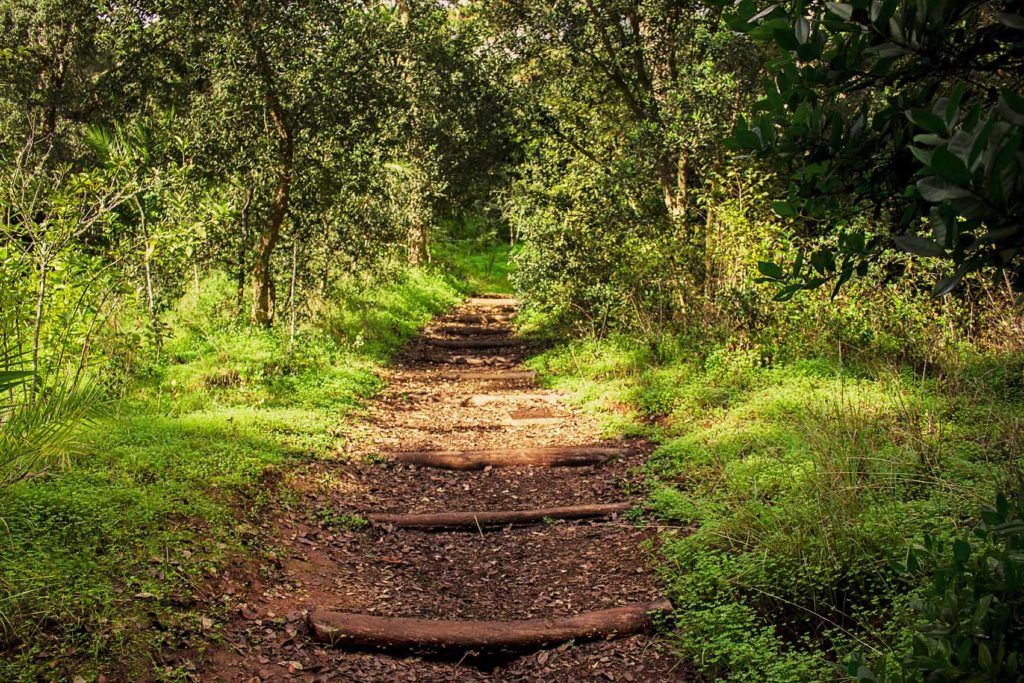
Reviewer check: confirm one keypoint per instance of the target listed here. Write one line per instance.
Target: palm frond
(43, 433)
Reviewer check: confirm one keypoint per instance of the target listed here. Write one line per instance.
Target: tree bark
(417, 243)
(485, 343)
(291, 296)
(493, 518)
(672, 180)
(491, 375)
(148, 273)
(472, 330)
(243, 247)
(571, 456)
(362, 630)
(262, 273)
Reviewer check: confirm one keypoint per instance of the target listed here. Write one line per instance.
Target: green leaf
(984, 657)
(809, 51)
(785, 39)
(929, 139)
(770, 270)
(823, 261)
(888, 50)
(936, 190)
(744, 139)
(922, 155)
(783, 209)
(9, 379)
(798, 264)
(1015, 21)
(918, 245)
(948, 284)
(961, 550)
(947, 166)
(960, 145)
(802, 29)
(952, 113)
(927, 120)
(840, 9)
(1011, 106)
(845, 273)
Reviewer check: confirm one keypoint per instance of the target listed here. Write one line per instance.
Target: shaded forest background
(783, 240)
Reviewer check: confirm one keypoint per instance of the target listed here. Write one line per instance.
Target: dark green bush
(972, 608)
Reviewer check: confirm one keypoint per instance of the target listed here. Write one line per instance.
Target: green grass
(804, 482)
(99, 563)
(484, 266)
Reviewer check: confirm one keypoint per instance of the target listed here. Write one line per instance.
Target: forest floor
(325, 554)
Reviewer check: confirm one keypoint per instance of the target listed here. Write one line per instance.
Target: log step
(534, 421)
(472, 330)
(479, 318)
(479, 400)
(471, 343)
(492, 302)
(491, 376)
(461, 359)
(509, 457)
(428, 635)
(495, 518)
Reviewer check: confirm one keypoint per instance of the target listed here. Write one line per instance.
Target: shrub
(972, 608)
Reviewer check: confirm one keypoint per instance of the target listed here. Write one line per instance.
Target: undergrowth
(100, 565)
(790, 491)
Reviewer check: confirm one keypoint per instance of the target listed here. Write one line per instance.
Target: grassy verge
(787, 492)
(100, 565)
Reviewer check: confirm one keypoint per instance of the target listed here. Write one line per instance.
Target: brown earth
(323, 558)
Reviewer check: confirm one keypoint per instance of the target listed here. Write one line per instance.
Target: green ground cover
(787, 493)
(99, 564)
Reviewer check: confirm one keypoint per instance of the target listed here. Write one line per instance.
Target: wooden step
(473, 330)
(495, 518)
(485, 302)
(470, 343)
(572, 456)
(429, 635)
(491, 375)
(492, 317)
(462, 359)
(533, 421)
(480, 400)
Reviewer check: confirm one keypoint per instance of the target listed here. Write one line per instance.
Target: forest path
(457, 387)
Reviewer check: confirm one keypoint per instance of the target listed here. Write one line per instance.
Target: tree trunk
(147, 271)
(291, 296)
(262, 274)
(417, 242)
(672, 180)
(243, 247)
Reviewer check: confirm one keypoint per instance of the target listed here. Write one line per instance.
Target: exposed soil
(324, 559)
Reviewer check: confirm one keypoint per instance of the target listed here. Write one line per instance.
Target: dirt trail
(444, 397)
